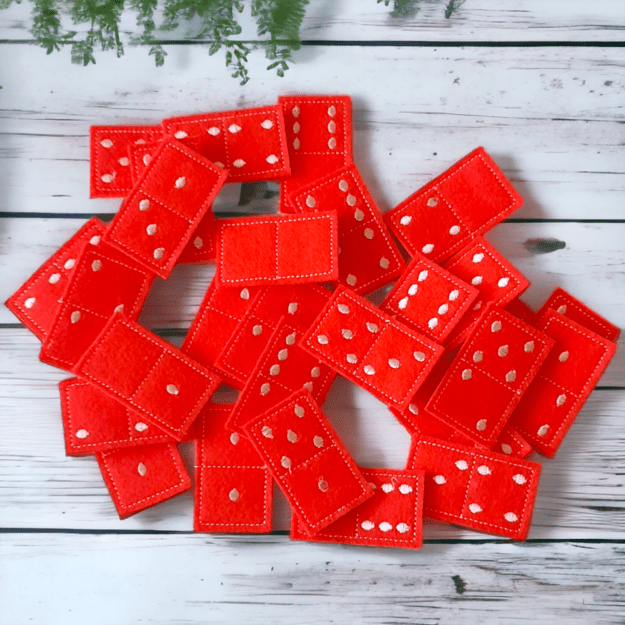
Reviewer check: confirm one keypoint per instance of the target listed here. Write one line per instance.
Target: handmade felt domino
(495, 278)
(147, 375)
(281, 369)
(202, 247)
(110, 167)
(393, 517)
(158, 217)
(565, 304)
(429, 299)
(140, 477)
(369, 258)
(278, 249)
(308, 462)
(564, 382)
(234, 489)
(37, 302)
(104, 282)
(249, 143)
(488, 377)
(477, 489)
(371, 349)
(511, 443)
(319, 139)
(468, 199)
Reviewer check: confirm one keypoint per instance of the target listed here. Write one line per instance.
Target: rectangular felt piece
(371, 349)
(94, 421)
(202, 248)
(495, 278)
(567, 305)
(36, 302)
(429, 299)
(278, 249)
(140, 477)
(308, 461)
(103, 282)
(393, 517)
(110, 170)
(281, 369)
(369, 258)
(158, 217)
(468, 199)
(148, 375)
(233, 487)
(319, 139)
(474, 488)
(299, 304)
(249, 143)
(564, 382)
(497, 362)
(511, 443)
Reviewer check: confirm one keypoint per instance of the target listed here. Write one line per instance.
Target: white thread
(30, 302)
(158, 253)
(405, 489)
(439, 479)
(275, 370)
(477, 280)
(267, 432)
(351, 279)
(347, 334)
(511, 376)
(180, 182)
(234, 495)
(467, 374)
(427, 249)
(272, 159)
(402, 528)
(478, 356)
(462, 465)
(423, 275)
(454, 230)
(384, 263)
(75, 316)
(318, 441)
(402, 303)
(267, 124)
(124, 162)
(542, 430)
(141, 427)
(239, 163)
(322, 339)
(563, 357)
(315, 372)
(432, 323)
(385, 526)
(372, 327)
(54, 278)
(343, 309)
(358, 215)
(443, 309)
(481, 425)
(510, 517)
(367, 525)
(256, 330)
(299, 411)
(244, 294)
(369, 370)
(151, 229)
(496, 326)
(343, 185)
(291, 436)
(433, 201)
(351, 358)
(519, 479)
(483, 470)
(82, 434)
(172, 389)
(144, 205)
(106, 143)
(264, 389)
(405, 220)
(198, 243)
(475, 508)
(413, 408)
(351, 200)
(529, 346)
(283, 354)
(323, 486)
(506, 448)
(234, 128)
(142, 469)
(503, 282)
(478, 258)
(503, 351)
(180, 134)
(387, 488)
(369, 233)
(420, 356)
(285, 461)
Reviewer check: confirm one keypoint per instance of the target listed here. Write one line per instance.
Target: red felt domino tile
(369, 259)
(278, 249)
(371, 349)
(299, 304)
(495, 278)
(429, 299)
(567, 305)
(36, 302)
(468, 199)
(234, 489)
(564, 382)
(147, 375)
(477, 489)
(281, 369)
(110, 170)
(393, 517)
(308, 461)
(140, 477)
(94, 421)
(159, 215)
(103, 282)
(319, 139)
(498, 362)
(202, 248)
(249, 143)
(511, 443)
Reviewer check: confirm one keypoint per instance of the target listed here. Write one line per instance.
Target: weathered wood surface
(551, 117)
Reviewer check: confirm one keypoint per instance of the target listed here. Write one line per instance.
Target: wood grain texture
(550, 117)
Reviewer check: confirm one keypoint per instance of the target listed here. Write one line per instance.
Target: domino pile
(477, 377)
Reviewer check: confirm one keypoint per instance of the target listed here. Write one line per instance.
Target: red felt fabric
(477, 489)
(103, 282)
(491, 372)
(369, 259)
(308, 461)
(94, 421)
(567, 305)
(319, 139)
(495, 278)
(233, 487)
(277, 249)
(299, 304)
(429, 299)
(148, 375)
(564, 382)
(110, 170)
(393, 517)
(520, 309)
(371, 349)
(249, 143)
(202, 248)
(140, 477)
(158, 217)
(468, 199)
(281, 369)
(37, 302)
(511, 443)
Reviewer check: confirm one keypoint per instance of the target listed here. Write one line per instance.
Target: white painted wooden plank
(551, 117)
(477, 20)
(167, 580)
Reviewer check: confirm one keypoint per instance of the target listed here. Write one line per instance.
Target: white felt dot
(506, 448)
(402, 528)
(347, 334)
(332, 111)
(529, 346)
(343, 185)
(146, 159)
(244, 294)
(311, 202)
(503, 351)
(30, 302)
(151, 229)
(387, 488)
(69, 264)
(295, 111)
(141, 427)
(510, 517)
(119, 308)
(462, 465)
(563, 357)
(290, 339)
(219, 164)
(144, 205)
(367, 525)
(503, 282)
(172, 389)
(519, 479)
(481, 425)
(96, 265)
(198, 243)
(475, 508)
(384, 263)
(158, 253)
(561, 399)
(315, 372)
(511, 376)
(272, 159)
(267, 124)
(108, 178)
(369, 233)
(439, 479)
(180, 182)
(257, 330)
(296, 143)
(322, 339)
(420, 356)
(385, 526)
(351, 279)
(343, 309)
(351, 359)
(453, 296)
(413, 289)
(323, 486)
(542, 430)
(433, 201)
(454, 230)
(285, 461)
(264, 389)
(432, 323)
(393, 363)
(483, 470)
(332, 143)
(234, 495)
(234, 128)
(478, 356)
(140, 142)
(82, 434)
(106, 143)
(562, 309)
(75, 316)
(239, 163)
(292, 308)
(124, 162)
(402, 303)
(477, 306)
(467, 374)
(427, 249)
(299, 411)
(283, 354)
(234, 438)
(496, 326)
(372, 327)
(405, 220)
(291, 436)
(477, 280)
(478, 258)
(443, 309)
(180, 134)
(54, 278)
(351, 200)
(405, 489)
(274, 370)
(142, 469)
(332, 127)
(267, 432)
(414, 409)
(423, 275)
(318, 441)
(369, 370)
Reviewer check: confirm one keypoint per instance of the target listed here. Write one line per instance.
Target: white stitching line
(561, 298)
